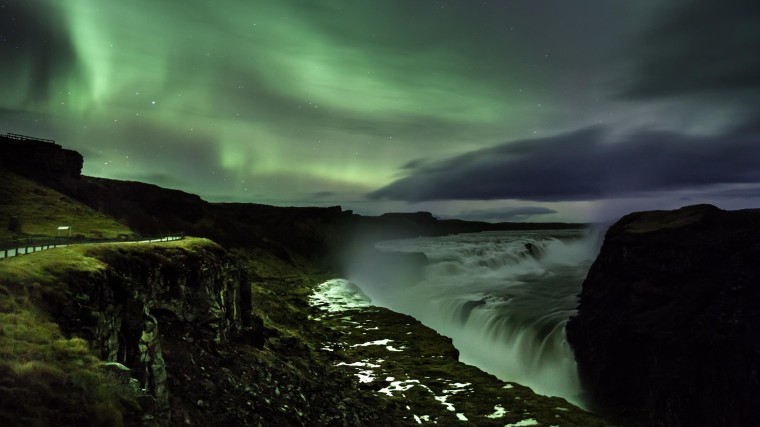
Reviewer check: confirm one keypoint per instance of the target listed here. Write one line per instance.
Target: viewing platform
(19, 137)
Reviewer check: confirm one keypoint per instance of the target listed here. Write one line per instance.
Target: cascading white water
(503, 297)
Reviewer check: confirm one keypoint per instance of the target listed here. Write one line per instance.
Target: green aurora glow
(306, 102)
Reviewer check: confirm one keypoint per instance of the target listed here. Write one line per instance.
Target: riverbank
(215, 330)
(395, 356)
(187, 333)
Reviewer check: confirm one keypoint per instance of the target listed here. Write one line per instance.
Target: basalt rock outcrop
(179, 325)
(38, 159)
(668, 328)
(145, 300)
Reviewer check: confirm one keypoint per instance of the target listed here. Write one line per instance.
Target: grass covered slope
(40, 210)
(45, 377)
(256, 377)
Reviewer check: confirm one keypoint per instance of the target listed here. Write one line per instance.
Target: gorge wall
(177, 322)
(668, 328)
(178, 325)
(146, 303)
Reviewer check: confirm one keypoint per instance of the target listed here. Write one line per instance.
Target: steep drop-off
(668, 328)
(186, 333)
(176, 321)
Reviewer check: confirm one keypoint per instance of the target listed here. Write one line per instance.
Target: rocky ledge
(175, 333)
(668, 328)
(396, 357)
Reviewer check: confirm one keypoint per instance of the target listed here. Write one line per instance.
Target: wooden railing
(32, 245)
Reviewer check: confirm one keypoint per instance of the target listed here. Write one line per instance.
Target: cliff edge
(39, 159)
(155, 335)
(668, 328)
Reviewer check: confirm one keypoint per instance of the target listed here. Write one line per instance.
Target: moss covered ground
(47, 378)
(30, 209)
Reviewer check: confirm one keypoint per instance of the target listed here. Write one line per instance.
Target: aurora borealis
(497, 110)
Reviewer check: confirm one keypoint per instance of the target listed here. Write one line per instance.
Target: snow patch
(398, 386)
(369, 343)
(359, 364)
(499, 412)
(523, 423)
(425, 418)
(443, 401)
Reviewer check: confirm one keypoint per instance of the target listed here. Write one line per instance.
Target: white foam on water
(339, 295)
(504, 298)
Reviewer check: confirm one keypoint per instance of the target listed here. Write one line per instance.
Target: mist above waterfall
(503, 297)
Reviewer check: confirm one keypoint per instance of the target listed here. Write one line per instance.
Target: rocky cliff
(42, 160)
(193, 344)
(176, 323)
(668, 328)
(135, 303)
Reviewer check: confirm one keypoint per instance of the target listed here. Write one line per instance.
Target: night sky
(536, 110)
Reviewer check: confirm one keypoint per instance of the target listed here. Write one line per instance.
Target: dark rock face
(668, 328)
(43, 161)
(425, 368)
(180, 324)
(145, 302)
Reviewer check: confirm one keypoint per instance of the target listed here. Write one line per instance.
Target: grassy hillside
(48, 379)
(40, 210)
(45, 377)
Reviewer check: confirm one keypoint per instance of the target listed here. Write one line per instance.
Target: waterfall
(503, 297)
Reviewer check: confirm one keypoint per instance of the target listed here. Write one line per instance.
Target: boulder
(668, 328)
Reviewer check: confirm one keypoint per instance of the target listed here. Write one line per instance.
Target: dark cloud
(728, 193)
(414, 164)
(35, 39)
(587, 165)
(505, 214)
(697, 47)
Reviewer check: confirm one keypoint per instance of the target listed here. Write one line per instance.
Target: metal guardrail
(19, 137)
(40, 245)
